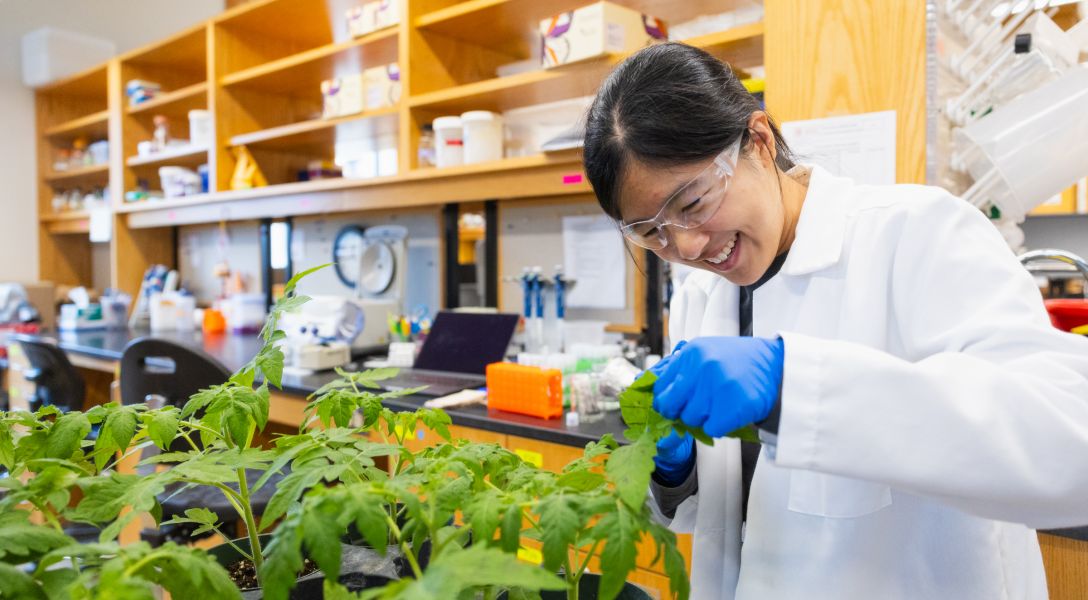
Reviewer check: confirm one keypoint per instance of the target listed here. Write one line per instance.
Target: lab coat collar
(821, 228)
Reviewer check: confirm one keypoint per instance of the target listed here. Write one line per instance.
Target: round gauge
(346, 250)
(377, 268)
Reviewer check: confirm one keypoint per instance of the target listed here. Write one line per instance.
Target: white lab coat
(931, 416)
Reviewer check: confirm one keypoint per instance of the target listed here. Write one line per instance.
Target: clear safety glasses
(691, 205)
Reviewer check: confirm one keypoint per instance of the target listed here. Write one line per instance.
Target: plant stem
(251, 523)
(405, 548)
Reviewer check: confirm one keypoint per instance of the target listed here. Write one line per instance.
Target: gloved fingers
(663, 364)
(673, 396)
(723, 419)
(697, 409)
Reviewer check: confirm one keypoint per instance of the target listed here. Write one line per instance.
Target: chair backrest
(57, 381)
(156, 367)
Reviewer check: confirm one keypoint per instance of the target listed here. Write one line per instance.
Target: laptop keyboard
(417, 379)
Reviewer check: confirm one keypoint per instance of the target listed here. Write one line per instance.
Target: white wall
(129, 24)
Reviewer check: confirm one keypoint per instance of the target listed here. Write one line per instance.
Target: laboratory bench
(101, 350)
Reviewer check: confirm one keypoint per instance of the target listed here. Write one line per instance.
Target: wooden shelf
(67, 215)
(72, 221)
(306, 70)
(176, 103)
(82, 175)
(185, 155)
(570, 81)
(524, 89)
(529, 176)
(322, 134)
(95, 125)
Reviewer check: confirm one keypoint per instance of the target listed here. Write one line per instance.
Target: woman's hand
(720, 383)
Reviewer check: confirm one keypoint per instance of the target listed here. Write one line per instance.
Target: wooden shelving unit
(70, 111)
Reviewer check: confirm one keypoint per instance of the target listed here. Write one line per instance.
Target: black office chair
(163, 373)
(56, 381)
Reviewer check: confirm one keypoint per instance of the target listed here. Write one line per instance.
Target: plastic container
(425, 154)
(99, 152)
(589, 333)
(171, 311)
(200, 128)
(448, 142)
(525, 390)
(246, 312)
(528, 127)
(1029, 149)
(482, 136)
(179, 181)
(402, 354)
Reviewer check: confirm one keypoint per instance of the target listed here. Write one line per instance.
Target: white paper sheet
(101, 224)
(593, 255)
(861, 147)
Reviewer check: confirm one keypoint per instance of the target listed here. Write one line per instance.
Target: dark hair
(667, 105)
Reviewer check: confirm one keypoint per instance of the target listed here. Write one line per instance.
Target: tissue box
(382, 86)
(343, 96)
(595, 30)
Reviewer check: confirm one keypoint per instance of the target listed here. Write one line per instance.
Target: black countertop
(235, 350)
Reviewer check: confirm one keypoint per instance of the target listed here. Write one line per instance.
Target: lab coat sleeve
(989, 412)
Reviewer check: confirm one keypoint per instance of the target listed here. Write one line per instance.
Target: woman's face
(749, 220)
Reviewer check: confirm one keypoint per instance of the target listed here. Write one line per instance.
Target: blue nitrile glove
(720, 383)
(675, 458)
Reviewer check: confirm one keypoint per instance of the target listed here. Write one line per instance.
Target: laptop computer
(456, 353)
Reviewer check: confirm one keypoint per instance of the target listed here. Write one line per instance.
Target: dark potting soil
(244, 575)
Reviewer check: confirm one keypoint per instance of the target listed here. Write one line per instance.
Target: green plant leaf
(560, 523)
(66, 435)
(511, 529)
(483, 514)
(620, 532)
(289, 490)
(162, 425)
(675, 567)
(22, 540)
(282, 558)
(630, 467)
(206, 519)
(15, 583)
(456, 571)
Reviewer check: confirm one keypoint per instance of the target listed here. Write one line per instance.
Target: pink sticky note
(572, 179)
(172, 215)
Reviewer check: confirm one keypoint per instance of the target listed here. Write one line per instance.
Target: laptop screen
(466, 342)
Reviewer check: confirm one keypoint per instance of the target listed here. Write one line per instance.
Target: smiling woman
(665, 137)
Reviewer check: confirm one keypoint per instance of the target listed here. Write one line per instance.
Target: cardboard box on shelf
(596, 30)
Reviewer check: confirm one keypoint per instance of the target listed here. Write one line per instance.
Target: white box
(343, 96)
(382, 86)
(595, 30)
(387, 13)
(50, 54)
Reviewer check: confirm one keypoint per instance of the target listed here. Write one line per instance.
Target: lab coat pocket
(835, 497)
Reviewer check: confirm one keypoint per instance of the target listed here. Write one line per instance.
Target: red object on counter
(1067, 313)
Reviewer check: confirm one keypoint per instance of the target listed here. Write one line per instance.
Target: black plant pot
(360, 568)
